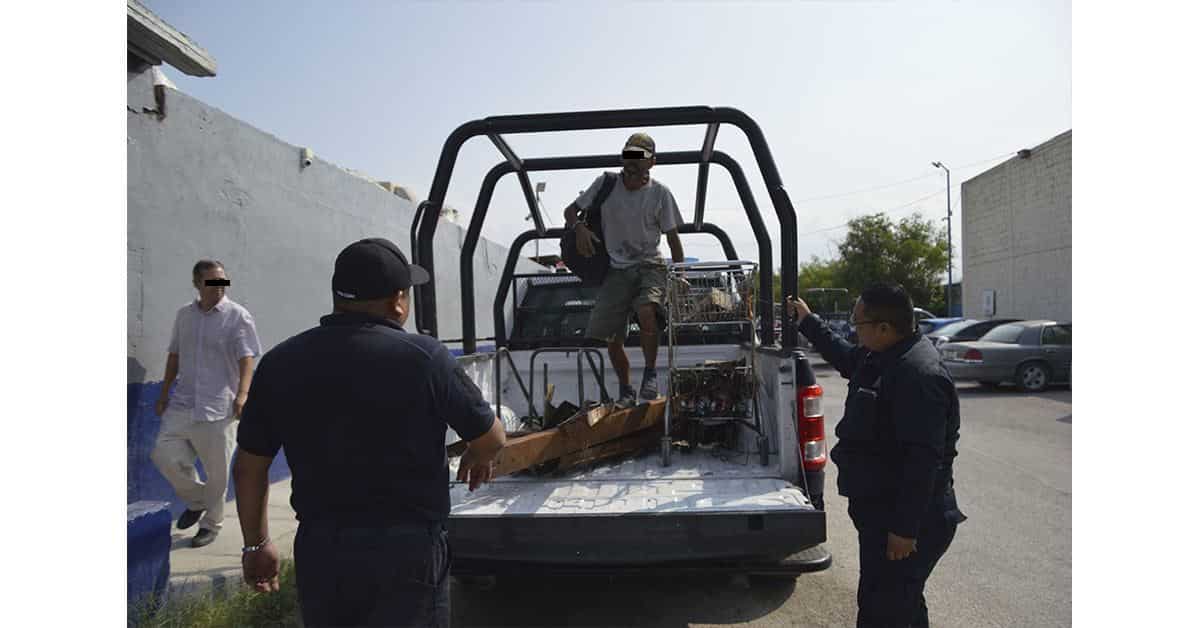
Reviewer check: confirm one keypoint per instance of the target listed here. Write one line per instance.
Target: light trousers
(180, 441)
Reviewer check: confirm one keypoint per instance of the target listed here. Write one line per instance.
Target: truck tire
(1033, 377)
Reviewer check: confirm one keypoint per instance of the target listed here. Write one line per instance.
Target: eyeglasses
(857, 324)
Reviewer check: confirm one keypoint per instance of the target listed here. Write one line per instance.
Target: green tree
(911, 253)
(818, 273)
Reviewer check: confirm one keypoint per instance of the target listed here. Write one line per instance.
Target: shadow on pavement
(618, 601)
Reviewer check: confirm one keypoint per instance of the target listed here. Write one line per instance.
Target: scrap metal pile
(709, 301)
(709, 399)
(716, 389)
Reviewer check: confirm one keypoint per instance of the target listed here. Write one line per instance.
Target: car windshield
(1004, 333)
(954, 328)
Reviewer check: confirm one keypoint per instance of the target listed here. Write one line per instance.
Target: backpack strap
(606, 188)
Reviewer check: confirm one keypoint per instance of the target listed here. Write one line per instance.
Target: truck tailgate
(636, 512)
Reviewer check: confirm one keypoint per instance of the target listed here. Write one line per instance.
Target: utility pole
(949, 249)
(537, 243)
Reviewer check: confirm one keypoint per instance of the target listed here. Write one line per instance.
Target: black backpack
(590, 269)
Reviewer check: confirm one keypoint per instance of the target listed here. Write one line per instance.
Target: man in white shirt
(213, 346)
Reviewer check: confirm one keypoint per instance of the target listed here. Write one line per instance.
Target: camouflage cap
(640, 140)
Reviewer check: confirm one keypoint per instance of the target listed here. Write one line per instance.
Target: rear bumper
(636, 539)
(805, 561)
(966, 371)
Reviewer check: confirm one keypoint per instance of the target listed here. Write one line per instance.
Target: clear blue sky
(850, 95)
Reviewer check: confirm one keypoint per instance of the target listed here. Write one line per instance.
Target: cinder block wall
(202, 184)
(1017, 235)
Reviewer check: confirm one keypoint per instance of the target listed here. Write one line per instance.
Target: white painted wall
(202, 184)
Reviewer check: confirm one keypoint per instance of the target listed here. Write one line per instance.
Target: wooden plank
(576, 435)
(613, 448)
(599, 412)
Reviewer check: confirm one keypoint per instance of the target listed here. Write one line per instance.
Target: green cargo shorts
(625, 290)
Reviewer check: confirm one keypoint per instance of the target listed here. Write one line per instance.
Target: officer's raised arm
(837, 351)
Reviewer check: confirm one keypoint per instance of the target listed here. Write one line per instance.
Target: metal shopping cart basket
(705, 299)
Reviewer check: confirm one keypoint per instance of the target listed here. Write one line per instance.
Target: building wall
(202, 184)
(1017, 235)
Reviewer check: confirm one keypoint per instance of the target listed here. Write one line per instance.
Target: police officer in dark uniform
(895, 451)
(361, 408)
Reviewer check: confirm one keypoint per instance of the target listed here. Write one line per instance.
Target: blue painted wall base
(143, 482)
(149, 550)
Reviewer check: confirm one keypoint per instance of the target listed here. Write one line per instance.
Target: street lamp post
(537, 243)
(949, 249)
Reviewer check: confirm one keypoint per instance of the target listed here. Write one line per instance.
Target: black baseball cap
(374, 268)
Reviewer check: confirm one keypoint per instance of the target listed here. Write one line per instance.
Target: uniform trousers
(388, 575)
(891, 593)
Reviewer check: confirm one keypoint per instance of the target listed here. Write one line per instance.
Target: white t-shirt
(634, 220)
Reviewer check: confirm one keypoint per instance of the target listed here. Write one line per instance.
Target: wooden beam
(613, 448)
(576, 435)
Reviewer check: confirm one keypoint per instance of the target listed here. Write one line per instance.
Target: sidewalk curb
(221, 583)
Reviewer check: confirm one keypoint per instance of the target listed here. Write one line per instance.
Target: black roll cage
(425, 221)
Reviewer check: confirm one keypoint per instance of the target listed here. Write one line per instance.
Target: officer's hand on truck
(797, 308)
(475, 469)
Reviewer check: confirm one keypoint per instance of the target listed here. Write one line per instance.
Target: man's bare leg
(649, 326)
(649, 337)
(616, 353)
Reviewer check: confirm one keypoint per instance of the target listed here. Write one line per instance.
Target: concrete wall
(202, 184)
(1017, 235)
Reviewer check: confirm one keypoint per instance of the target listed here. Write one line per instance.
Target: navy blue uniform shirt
(896, 441)
(360, 408)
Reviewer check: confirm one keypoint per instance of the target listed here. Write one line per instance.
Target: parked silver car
(966, 330)
(1031, 354)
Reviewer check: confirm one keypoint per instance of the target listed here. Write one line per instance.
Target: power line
(894, 184)
(864, 190)
(886, 211)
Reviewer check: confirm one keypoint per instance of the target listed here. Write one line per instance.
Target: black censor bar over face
(634, 154)
(216, 282)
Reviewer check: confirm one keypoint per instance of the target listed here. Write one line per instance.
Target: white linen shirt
(209, 345)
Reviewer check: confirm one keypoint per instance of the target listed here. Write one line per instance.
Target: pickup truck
(755, 508)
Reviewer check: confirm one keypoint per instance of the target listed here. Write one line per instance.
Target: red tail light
(973, 355)
(810, 427)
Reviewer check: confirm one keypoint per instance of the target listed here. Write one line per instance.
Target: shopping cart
(706, 299)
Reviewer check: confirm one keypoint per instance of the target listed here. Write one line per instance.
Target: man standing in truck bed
(895, 451)
(634, 217)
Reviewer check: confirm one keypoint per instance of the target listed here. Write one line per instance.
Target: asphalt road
(1009, 565)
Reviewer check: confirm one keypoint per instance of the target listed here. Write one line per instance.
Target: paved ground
(1010, 564)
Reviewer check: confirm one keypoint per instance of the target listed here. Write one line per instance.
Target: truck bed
(712, 508)
(705, 480)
